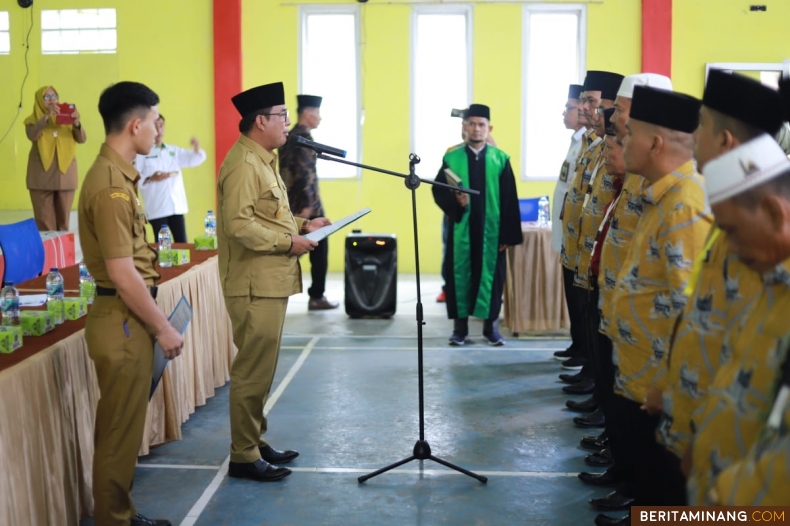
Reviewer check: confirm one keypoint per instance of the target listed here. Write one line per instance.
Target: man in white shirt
(162, 184)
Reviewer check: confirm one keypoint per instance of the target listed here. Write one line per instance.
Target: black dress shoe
(594, 443)
(613, 501)
(607, 478)
(259, 470)
(272, 456)
(594, 419)
(601, 459)
(587, 406)
(606, 520)
(574, 363)
(586, 386)
(139, 520)
(573, 378)
(563, 355)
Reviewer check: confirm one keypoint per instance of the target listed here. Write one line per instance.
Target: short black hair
(246, 122)
(740, 130)
(118, 102)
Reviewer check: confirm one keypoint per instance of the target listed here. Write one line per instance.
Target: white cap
(651, 80)
(747, 166)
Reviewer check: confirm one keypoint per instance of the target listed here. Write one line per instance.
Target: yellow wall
(174, 61)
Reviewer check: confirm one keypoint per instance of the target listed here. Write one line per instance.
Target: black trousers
(177, 227)
(319, 263)
(600, 352)
(576, 301)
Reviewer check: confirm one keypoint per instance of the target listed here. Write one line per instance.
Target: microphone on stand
(320, 148)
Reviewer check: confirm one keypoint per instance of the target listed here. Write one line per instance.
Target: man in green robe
(483, 226)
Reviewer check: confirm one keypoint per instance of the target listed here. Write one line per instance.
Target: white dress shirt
(167, 197)
(568, 168)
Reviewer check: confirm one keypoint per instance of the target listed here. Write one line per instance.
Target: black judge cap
(669, 109)
(606, 82)
(478, 110)
(307, 101)
(607, 119)
(258, 98)
(574, 90)
(744, 99)
(784, 93)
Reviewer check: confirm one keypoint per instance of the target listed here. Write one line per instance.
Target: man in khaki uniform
(124, 320)
(259, 245)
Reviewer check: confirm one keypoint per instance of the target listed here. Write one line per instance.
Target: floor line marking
(177, 466)
(194, 513)
(447, 348)
(410, 337)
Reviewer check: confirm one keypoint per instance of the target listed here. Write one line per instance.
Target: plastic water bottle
(55, 296)
(211, 224)
(165, 246)
(543, 212)
(87, 284)
(10, 304)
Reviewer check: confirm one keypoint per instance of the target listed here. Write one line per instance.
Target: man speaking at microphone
(298, 170)
(260, 242)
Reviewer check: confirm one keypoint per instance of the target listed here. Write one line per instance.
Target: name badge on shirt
(280, 212)
(564, 172)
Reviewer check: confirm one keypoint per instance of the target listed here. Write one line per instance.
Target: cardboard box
(35, 322)
(206, 243)
(10, 338)
(179, 256)
(75, 308)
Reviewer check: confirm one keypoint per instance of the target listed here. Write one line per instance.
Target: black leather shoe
(587, 406)
(607, 478)
(272, 456)
(139, 520)
(606, 520)
(563, 355)
(259, 470)
(572, 378)
(601, 459)
(595, 443)
(574, 363)
(613, 501)
(594, 419)
(584, 387)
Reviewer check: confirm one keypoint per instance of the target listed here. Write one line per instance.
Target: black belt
(103, 291)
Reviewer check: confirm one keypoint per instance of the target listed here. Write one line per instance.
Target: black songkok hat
(607, 119)
(307, 101)
(574, 90)
(744, 99)
(606, 82)
(669, 109)
(478, 110)
(784, 93)
(258, 98)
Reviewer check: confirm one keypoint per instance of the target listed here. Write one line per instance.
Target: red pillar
(657, 37)
(227, 74)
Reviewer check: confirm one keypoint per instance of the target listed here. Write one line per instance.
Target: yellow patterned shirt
(648, 297)
(725, 287)
(599, 194)
(741, 395)
(574, 200)
(623, 220)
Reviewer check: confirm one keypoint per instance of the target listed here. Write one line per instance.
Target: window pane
(552, 64)
(5, 43)
(4, 21)
(329, 69)
(78, 30)
(441, 83)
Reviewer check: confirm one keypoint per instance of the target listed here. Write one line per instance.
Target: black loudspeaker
(371, 275)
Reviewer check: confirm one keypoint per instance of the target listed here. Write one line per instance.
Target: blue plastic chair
(529, 208)
(23, 251)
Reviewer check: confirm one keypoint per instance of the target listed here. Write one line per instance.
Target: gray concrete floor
(345, 396)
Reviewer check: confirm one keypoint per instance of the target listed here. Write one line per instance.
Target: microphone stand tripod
(422, 450)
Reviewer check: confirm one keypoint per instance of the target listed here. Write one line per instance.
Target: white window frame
(6, 32)
(780, 67)
(418, 10)
(79, 51)
(304, 12)
(528, 10)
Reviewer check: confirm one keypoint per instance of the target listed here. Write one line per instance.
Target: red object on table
(58, 251)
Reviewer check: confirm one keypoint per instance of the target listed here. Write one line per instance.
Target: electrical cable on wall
(24, 79)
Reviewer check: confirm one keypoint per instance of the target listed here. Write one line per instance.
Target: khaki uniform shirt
(649, 295)
(725, 287)
(599, 194)
(111, 219)
(729, 422)
(255, 220)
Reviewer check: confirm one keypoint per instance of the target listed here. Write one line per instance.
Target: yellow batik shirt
(649, 295)
(574, 200)
(741, 395)
(724, 289)
(599, 194)
(623, 220)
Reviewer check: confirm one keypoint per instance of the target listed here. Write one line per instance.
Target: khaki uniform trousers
(52, 209)
(257, 333)
(122, 350)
